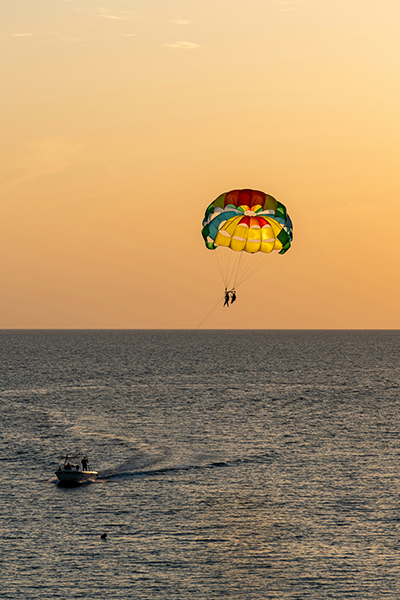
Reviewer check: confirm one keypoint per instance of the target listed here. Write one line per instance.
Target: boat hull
(67, 477)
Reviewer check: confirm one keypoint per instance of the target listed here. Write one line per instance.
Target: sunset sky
(123, 119)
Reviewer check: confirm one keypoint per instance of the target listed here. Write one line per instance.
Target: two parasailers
(229, 296)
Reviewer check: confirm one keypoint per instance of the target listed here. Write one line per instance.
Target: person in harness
(227, 297)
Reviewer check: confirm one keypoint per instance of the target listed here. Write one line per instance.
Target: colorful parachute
(249, 221)
(246, 221)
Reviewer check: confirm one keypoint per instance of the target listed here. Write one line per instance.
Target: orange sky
(123, 119)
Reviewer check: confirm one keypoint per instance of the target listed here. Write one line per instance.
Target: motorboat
(75, 470)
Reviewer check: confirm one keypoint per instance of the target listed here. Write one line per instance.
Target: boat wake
(131, 470)
(132, 466)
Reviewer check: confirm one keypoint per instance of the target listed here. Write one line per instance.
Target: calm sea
(233, 464)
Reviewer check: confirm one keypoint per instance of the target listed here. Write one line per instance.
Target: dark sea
(232, 464)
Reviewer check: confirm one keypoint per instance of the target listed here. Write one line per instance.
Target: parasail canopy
(245, 221)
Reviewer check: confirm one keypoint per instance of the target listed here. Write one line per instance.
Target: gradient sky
(123, 119)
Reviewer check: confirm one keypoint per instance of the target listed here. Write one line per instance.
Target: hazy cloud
(181, 22)
(40, 158)
(51, 34)
(285, 5)
(184, 45)
(125, 15)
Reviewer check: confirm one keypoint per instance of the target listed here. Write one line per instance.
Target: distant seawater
(233, 464)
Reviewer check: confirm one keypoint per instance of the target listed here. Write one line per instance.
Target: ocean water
(233, 464)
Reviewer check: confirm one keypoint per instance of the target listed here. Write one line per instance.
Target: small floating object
(73, 474)
(103, 536)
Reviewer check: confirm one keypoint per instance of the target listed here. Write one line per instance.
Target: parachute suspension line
(224, 266)
(243, 264)
(237, 267)
(233, 267)
(227, 265)
(237, 272)
(260, 265)
(234, 270)
(251, 263)
(220, 269)
(251, 269)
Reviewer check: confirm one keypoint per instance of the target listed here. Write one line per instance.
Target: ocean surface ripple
(232, 464)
